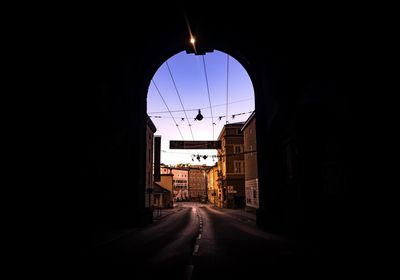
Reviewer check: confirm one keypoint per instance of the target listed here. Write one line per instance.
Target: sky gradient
(189, 80)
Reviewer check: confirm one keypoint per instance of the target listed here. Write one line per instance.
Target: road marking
(199, 236)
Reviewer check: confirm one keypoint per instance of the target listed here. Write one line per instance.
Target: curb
(121, 235)
(236, 215)
(243, 217)
(163, 216)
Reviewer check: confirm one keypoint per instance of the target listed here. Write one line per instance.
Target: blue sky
(190, 80)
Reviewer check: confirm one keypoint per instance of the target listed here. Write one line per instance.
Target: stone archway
(295, 100)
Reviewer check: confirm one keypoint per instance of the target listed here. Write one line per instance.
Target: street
(200, 241)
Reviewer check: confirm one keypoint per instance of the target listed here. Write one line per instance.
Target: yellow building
(214, 192)
(167, 184)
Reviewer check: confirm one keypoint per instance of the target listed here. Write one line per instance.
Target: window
(238, 167)
(251, 131)
(237, 149)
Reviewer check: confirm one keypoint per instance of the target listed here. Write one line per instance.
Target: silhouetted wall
(301, 120)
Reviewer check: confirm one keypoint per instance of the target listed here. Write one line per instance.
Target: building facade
(250, 162)
(150, 130)
(162, 198)
(197, 183)
(167, 183)
(231, 166)
(165, 169)
(213, 192)
(180, 184)
(180, 177)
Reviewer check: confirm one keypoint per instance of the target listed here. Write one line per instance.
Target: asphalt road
(202, 242)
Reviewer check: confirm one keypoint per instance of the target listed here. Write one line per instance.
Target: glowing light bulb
(192, 40)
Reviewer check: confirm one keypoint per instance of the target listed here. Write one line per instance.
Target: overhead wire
(227, 86)
(177, 126)
(204, 156)
(196, 109)
(209, 98)
(175, 119)
(219, 117)
(177, 92)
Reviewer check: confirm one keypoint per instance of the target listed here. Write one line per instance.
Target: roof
(158, 189)
(150, 124)
(228, 125)
(252, 116)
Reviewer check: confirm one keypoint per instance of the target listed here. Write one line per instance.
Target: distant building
(214, 193)
(231, 165)
(180, 190)
(197, 183)
(165, 169)
(167, 183)
(162, 198)
(150, 130)
(250, 161)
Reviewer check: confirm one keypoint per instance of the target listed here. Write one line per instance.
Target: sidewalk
(241, 214)
(159, 214)
(103, 236)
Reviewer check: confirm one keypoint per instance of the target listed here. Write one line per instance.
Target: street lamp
(199, 116)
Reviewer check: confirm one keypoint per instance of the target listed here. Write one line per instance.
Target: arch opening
(218, 88)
